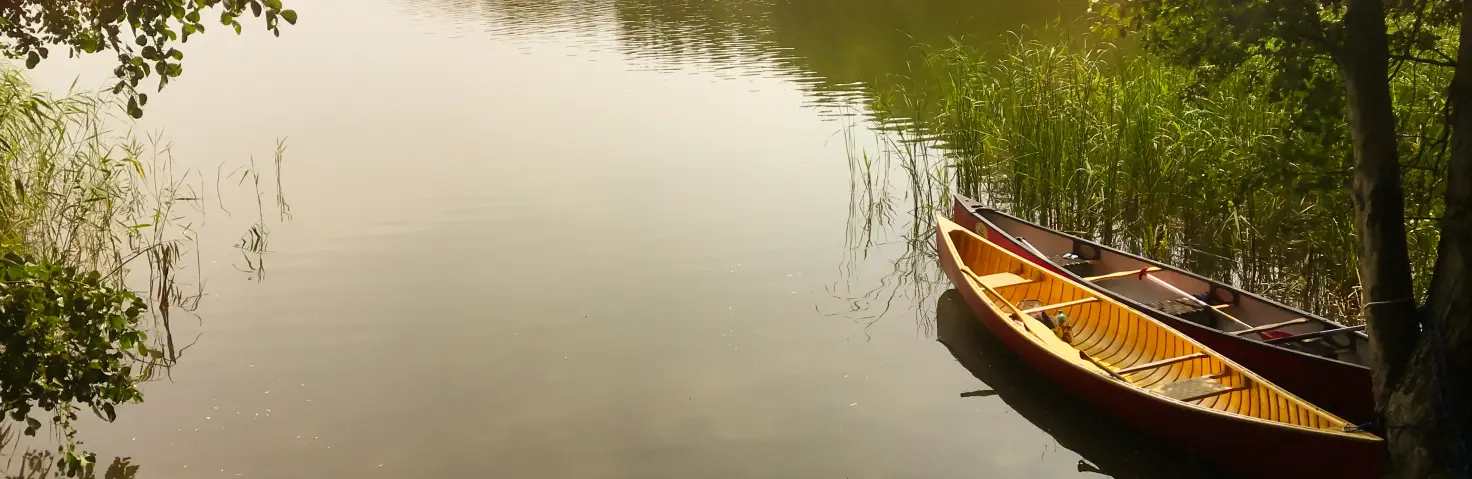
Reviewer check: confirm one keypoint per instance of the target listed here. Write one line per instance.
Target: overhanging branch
(1428, 61)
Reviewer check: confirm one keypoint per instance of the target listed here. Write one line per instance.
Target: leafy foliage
(1294, 33)
(80, 206)
(38, 464)
(1294, 47)
(66, 337)
(143, 33)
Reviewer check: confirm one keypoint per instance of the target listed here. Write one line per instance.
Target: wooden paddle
(1316, 334)
(1174, 289)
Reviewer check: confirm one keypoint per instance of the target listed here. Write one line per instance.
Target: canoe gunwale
(978, 209)
(1107, 375)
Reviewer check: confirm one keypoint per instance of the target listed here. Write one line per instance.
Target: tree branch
(1428, 61)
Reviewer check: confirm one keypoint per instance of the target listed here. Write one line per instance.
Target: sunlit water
(591, 238)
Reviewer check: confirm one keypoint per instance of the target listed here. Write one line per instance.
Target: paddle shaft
(1017, 312)
(1022, 316)
(1176, 290)
(1316, 334)
(989, 289)
(1031, 249)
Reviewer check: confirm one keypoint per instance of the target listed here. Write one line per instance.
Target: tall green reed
(1212, 174)
(91, 202)
(74, 192)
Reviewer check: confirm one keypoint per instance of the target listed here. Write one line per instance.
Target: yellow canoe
(1147, 374)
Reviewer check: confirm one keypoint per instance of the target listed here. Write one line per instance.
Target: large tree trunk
(1441, 375)
(1423, 380)
(1384, 262)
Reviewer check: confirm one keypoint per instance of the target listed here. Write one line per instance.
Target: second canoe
(1146, 374)
(1315, 358)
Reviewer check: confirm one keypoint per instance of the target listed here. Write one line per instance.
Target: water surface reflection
(562, 239)
(840, 52)
(1107, 446)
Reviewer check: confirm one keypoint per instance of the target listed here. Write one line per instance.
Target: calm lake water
(601, 238)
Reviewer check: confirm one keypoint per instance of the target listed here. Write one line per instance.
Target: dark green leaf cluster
(1295, 49)
(66, 337)
(1227, 33)
(144, 33)
(1294, 46)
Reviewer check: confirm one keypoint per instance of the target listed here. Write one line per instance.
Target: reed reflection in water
(1108, 447)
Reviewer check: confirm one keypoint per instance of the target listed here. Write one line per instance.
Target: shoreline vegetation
(1215, 173)
(99, 254)
(97, 227)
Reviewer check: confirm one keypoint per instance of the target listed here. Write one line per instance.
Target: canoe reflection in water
(1107, 446)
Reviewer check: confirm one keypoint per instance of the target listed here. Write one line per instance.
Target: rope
(1392, 301)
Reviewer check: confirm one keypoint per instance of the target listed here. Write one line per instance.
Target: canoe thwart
(1270, 327)
(1163, 362)
(1121, 274)
(1044, 309)
(1195, 389)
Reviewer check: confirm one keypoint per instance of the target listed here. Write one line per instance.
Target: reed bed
(1213, 174)
(109, 211)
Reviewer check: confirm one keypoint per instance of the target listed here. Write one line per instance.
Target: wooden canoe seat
(1270, 327)
(1194, 389)
(1120, 274)
(1163, 362)
(1181, 307)
(1072, 263)
(1043, 309)
(1000, 280)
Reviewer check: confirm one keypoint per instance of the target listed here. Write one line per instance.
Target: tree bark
(1384, 262)
(1423, 380)
(1450, 298)
(1402, 393)
(1447, 353)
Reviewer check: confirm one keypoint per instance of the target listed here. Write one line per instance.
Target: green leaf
(273, 4)
(255, 8)
(32, 425)
(32, 59)
(111, 414)
(192, 16)
(289, 15)
(137, 166)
